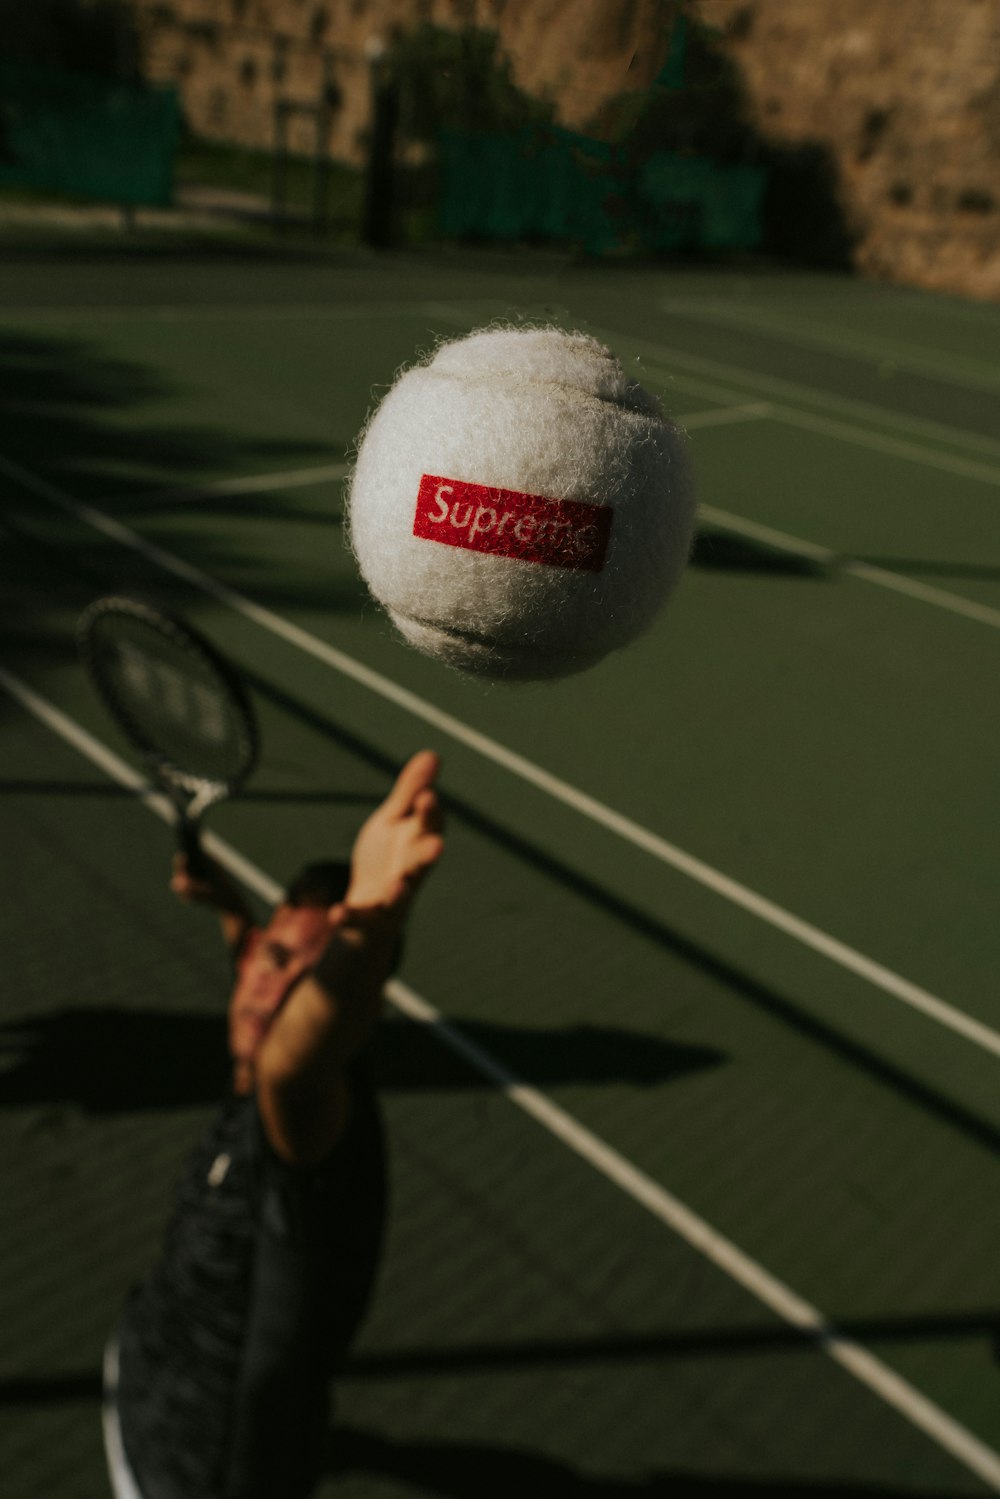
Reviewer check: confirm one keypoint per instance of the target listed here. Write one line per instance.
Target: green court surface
(724, 907)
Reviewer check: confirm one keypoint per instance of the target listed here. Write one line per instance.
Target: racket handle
(189, 838)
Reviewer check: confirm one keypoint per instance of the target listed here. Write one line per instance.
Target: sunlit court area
(689, 1068)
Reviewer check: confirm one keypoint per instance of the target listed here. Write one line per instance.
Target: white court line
(296, 478)
(662, 365)
(881, 576)
(964, 468)
(722, 416)
(186, 312)
(670, 360)
(123, 1484)
(781, 540)
(663, 362)
(766, 1288)
(720, 884)
(827, 426)
(913, 358)
(953, 602)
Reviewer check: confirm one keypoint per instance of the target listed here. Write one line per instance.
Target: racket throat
(188, 814)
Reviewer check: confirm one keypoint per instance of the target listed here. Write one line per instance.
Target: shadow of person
(108, 1060)
(410, 1056)
(468, 1470)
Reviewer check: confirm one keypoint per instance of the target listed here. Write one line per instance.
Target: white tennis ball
(519, 505)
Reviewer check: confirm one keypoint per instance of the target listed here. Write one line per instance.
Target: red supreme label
(558, 533)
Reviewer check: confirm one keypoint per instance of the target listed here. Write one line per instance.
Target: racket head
(174, 696)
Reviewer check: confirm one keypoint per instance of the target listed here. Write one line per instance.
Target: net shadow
(469, 1470)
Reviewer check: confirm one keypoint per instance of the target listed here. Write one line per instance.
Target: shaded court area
(534, 1328)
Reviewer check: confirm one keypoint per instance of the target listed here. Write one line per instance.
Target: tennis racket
(179, 703)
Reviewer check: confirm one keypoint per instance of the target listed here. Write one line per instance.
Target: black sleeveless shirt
(226, 1350)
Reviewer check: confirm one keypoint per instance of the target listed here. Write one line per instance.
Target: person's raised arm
(301, 1083)
(214, 888)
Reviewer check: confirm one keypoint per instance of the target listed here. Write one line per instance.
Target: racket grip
(189, 839)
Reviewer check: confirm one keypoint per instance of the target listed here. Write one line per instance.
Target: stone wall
(236, 59)
(904, 96)
(900, 97)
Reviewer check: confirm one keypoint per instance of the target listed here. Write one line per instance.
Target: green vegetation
(458, 80)
(697, 107)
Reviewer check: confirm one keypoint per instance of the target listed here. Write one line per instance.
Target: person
(217, 1380)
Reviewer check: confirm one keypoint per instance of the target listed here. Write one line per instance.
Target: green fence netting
(691, 203)
(527, 186)
(560, 186)
(97, 138)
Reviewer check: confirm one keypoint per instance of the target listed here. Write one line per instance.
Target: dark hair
(321, 884)
(324, 884)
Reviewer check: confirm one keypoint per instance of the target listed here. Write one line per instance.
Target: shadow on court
(68, 427)
(470, 1470)
(109, 790)
(60, 390)
(717, 551)
(478, 1471)
(662, 1347)
(110, 1060)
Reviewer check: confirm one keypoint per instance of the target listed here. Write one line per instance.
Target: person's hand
(399, 843)
(212, 887)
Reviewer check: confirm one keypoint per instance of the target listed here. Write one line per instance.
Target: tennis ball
(519, 505)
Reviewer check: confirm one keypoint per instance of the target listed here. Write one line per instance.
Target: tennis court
(691, 1073)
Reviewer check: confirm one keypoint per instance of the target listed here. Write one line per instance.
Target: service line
(866, 571)
(666, 364)
(691, 372)
(759, 906)
(885, 354)
(721, 416)
(688, 1225)
(188, 494)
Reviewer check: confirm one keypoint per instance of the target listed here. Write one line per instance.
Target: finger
(417, 775)
(428, 808)
(431, 849)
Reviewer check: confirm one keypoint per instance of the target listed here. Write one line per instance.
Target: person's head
(277, 955)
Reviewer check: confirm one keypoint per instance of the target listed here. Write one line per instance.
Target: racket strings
(172, 700)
